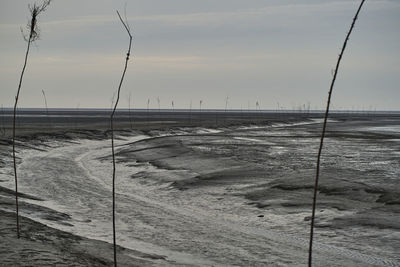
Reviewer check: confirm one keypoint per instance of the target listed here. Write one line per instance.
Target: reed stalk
(77, 114)
(190, 112)
(3, 126)
(323, 133)
(33, 35)
(226, 108)
(47, 108)
(127, 28)
(148, 114)
(201, 103)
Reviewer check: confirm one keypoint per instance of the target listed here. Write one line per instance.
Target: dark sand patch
(41, 245)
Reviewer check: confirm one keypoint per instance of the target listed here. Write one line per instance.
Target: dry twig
(323, 133)
(32, 36)
(127, 28)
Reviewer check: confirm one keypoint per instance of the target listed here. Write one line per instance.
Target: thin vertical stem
(148, 103)
(35, 10)
(226, 108)
(14, 130)
(77, 114)
(2, 120)
(323, 134)
(190, 112)
(47, 109)
(112, 134)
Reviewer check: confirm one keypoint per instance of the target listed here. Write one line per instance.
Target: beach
(204, 188)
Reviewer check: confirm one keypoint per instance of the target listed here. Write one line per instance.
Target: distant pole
(148, 104)
(257, 109)
(77, 114)
(277, 110)
(226, 108)
(2, 120)
(323, 134)
(190, 112)
(201, 102)
(248, 110)
(47, 109)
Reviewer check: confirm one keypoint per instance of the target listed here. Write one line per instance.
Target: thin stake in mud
(126, 26)
(35, 10)
(323, 133)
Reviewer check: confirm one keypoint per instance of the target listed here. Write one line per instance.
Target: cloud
(206, 18)
(212, 18)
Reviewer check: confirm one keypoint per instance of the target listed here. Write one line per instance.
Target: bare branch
(35, 10)
(126, 18)
(126, 25)
(323, 132)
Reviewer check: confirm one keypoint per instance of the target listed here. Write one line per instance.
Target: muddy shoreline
(265, 171)
(42, 245)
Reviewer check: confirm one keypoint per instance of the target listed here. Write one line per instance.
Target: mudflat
(230, 191)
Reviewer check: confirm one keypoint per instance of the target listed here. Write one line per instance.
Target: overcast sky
(270, 51)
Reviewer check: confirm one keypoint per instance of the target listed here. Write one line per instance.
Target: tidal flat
(202, 189)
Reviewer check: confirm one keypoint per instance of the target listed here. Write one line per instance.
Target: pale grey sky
(186, 50)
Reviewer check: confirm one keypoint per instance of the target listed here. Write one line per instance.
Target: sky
(279, 53)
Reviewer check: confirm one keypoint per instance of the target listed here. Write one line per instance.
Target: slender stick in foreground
(35, 10)
(126, 25)
(323, 133)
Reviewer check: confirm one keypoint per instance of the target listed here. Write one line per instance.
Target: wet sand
(257, 179)
(40, 245)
